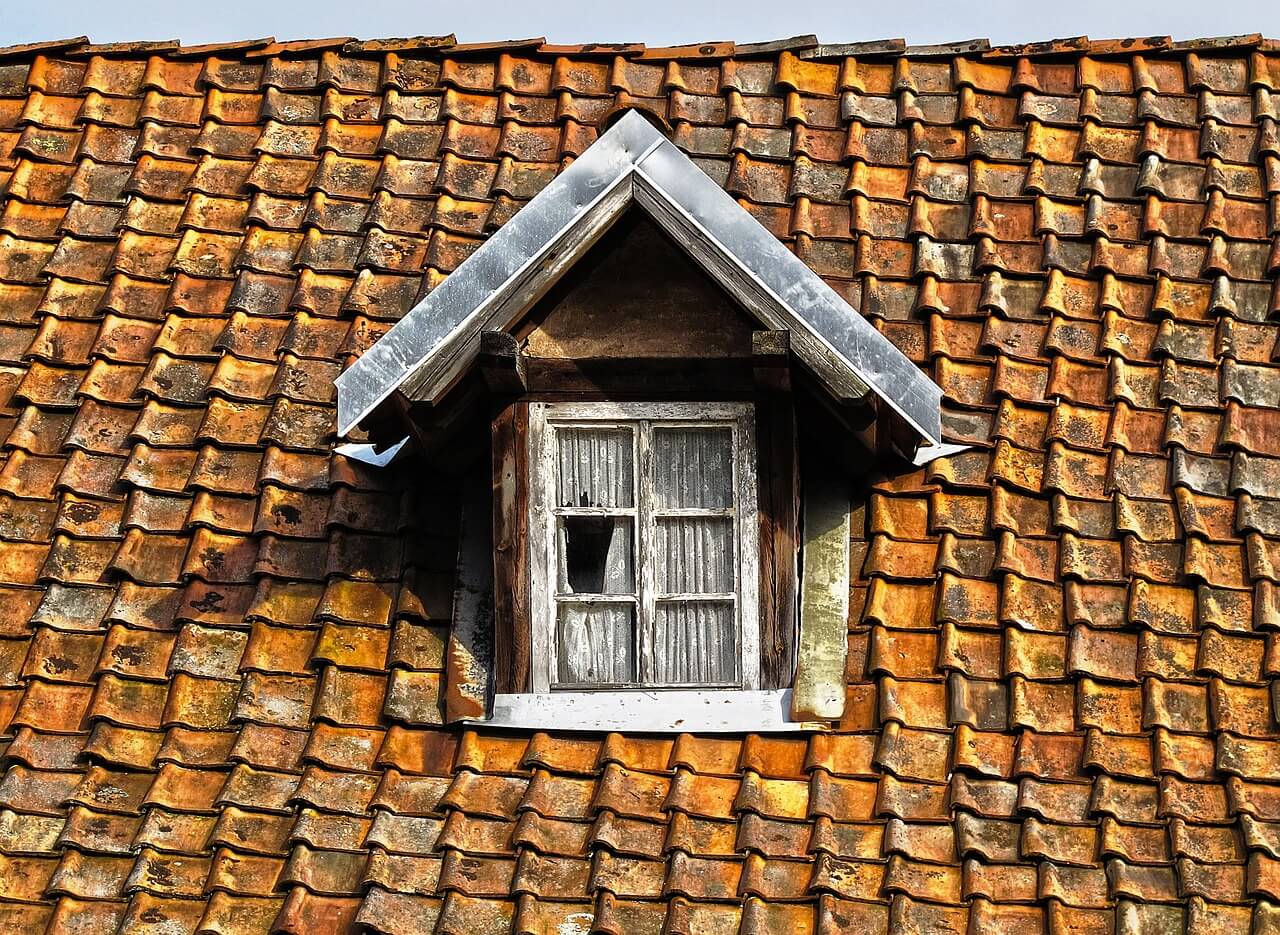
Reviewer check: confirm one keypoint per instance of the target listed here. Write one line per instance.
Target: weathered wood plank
(779, 537)
(510, 548)
(779, 509)
(612, 304)
(469, 660)
(824, 598)
(671, 711)
(641, 378)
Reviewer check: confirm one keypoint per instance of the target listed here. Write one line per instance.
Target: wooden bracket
(502, 364)
(771, 360)
(450, 436)
(884, 425)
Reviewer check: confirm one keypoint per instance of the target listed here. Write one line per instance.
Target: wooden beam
(642, 378)
(502, 364)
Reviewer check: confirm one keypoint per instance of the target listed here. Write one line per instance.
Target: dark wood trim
(449, 437)
(469, 660)
(777, 478)
(844, 433)
(511, 547)
(676, 378)
(883, 428)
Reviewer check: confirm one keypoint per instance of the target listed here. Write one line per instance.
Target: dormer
(661, 415)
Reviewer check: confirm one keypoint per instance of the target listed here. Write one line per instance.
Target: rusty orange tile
(564, 754)
(1090, 289)
(552, 836)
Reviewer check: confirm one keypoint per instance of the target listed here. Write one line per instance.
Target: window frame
(543, 547)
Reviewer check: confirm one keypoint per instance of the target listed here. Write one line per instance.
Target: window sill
(692, 711)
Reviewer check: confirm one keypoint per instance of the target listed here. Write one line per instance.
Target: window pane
(694, 641)
(595, 468)
(595, 555)
(594, 643)
(694, 555)
(693, 468)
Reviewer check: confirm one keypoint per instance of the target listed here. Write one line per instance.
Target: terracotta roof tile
(220, 677)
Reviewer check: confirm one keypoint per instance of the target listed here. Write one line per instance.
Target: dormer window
(657, 535)
(643, 554)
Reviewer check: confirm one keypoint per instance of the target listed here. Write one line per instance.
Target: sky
(655, 22)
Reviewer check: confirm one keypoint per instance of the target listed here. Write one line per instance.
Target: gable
(636, 294)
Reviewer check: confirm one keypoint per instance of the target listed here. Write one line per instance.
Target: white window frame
(642, 417)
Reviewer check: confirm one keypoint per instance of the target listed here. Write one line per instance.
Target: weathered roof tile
(222, 681)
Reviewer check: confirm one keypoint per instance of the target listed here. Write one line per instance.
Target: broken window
(642, 518)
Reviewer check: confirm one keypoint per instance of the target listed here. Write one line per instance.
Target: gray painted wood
(819, 691)
(669, 711)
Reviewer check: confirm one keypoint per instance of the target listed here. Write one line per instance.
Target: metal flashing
(929, 453)
(369, 454)
(634, 164)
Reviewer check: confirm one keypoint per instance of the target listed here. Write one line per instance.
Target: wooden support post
(511, 548)
(779, 505)
(502, 364)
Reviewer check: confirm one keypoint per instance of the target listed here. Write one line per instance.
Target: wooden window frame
(772, 707)
(644, 416)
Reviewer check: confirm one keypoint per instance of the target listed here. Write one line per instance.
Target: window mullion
(645, 650)
(543, 605)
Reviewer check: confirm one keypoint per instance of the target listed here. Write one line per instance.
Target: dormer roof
(633, 165)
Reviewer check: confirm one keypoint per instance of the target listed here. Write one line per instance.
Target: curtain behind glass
(694, 641)
(595, 468)
(595, 643)
(693, 468)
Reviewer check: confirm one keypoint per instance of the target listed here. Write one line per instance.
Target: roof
(222, 643)
(632, 166)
